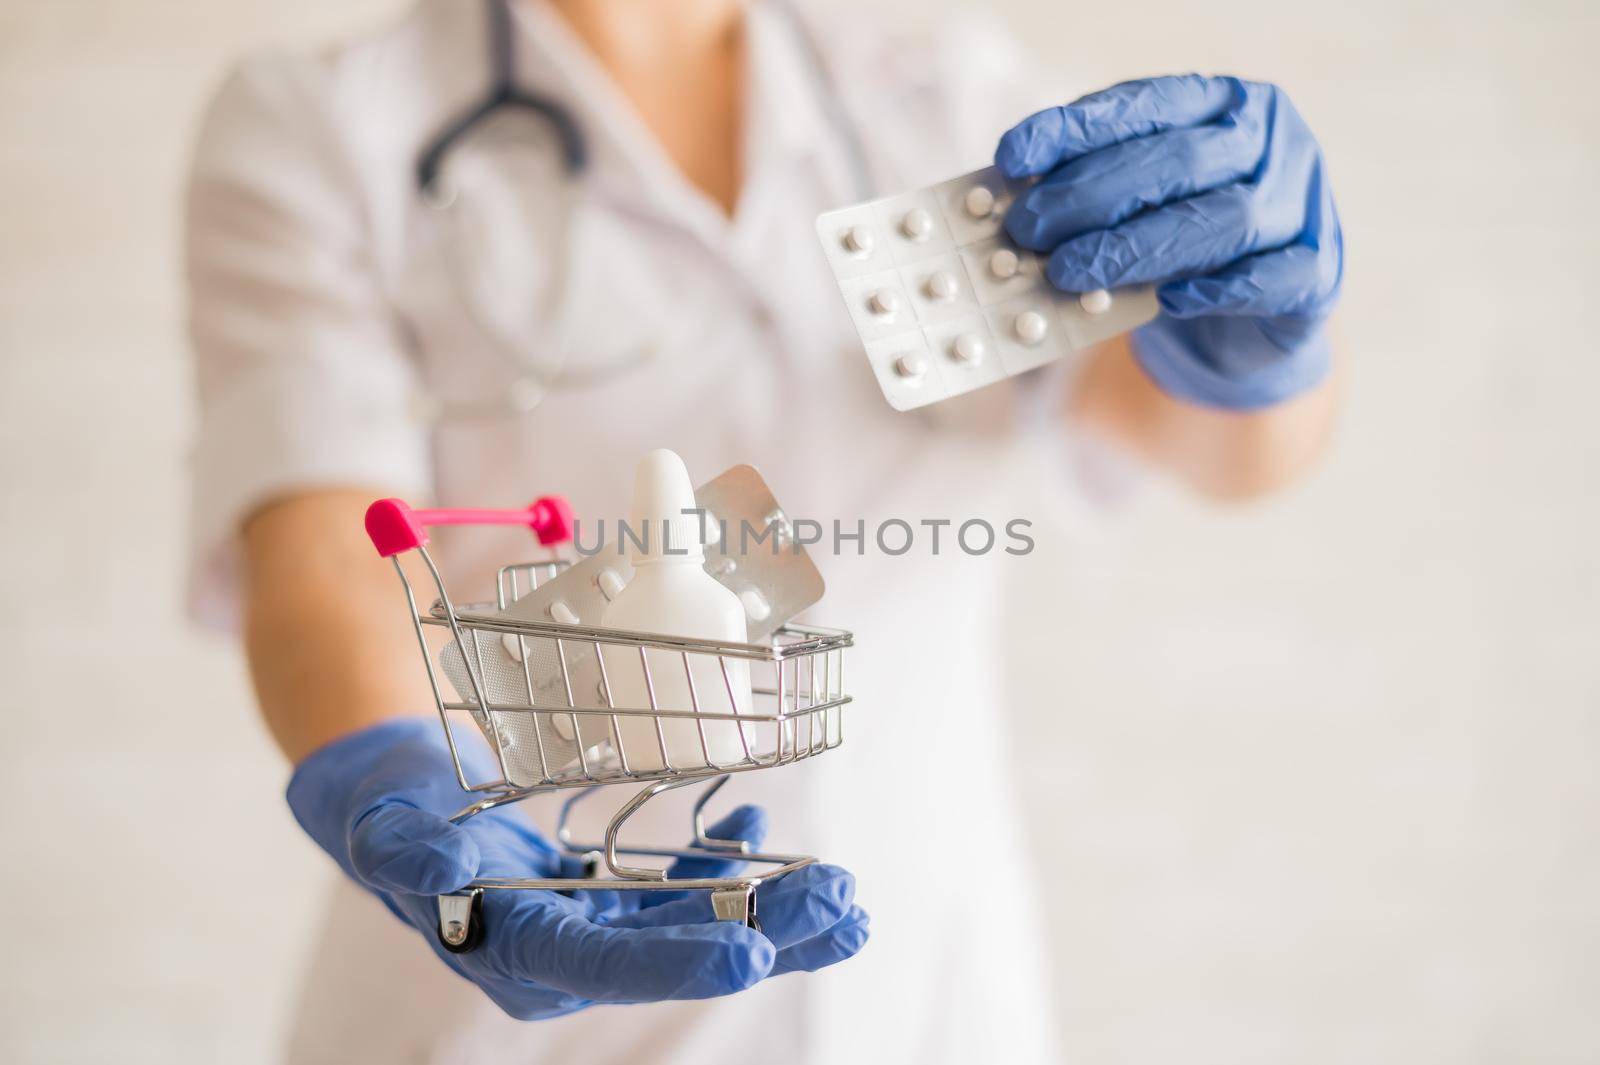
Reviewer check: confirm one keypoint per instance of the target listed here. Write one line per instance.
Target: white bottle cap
(663, 510)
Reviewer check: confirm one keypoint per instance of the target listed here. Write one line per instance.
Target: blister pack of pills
(750, 549)
(945, 302)
(508, 668)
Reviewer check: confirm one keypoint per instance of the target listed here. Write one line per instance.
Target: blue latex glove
(378, 802)
(1213, 189)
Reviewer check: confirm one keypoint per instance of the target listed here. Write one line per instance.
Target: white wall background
(1322, 785)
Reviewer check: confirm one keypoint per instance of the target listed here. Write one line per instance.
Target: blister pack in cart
(516, 678)
(750, 548)
(945, 302)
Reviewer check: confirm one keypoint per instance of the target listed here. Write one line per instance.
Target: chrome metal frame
(795, 712)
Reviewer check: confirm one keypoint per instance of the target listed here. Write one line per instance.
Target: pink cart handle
(395, 527)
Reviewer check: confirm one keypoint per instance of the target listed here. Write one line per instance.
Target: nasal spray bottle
(672, 594)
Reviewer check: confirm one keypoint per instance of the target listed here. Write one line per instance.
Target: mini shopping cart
(549, 732)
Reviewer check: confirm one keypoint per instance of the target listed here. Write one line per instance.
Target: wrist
(361, 744)
(1205, 361)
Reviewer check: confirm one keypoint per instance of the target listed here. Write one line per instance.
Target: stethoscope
(440, 194)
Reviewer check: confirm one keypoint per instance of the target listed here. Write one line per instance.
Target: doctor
(632, 266)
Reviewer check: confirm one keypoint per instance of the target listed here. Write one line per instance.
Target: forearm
(331, 649)
(1221, 454)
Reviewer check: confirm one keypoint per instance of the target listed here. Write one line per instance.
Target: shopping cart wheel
(736, 904)
(461, 921)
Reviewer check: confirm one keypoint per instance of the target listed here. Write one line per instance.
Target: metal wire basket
(546, 697)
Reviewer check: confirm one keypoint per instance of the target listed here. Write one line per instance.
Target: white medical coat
(327, 297)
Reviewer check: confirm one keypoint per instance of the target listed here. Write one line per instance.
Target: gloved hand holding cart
(547, 927)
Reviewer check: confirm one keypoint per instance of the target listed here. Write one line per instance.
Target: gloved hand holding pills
(1195, 211)
(1215, 191)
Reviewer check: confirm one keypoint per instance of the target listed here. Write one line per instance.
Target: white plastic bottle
(671, 593)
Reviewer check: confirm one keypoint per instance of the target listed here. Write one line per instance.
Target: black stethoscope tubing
(530, 387)
(504, 93)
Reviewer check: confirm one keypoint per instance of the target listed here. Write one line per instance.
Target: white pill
(513, 647)
(969, 348)
(1031, 327)
(885, 301)
(917, 224)
(1004, 263)
(756, 606)
(859, 240)
(910, 366)
(979, 201)
(942, 287)
(563, 613)
(1096, 302)
(611, 583)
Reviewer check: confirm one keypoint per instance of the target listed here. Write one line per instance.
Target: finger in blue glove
(1215, 190)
